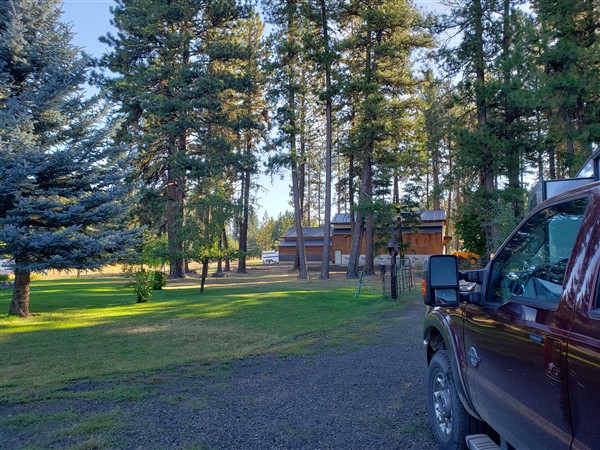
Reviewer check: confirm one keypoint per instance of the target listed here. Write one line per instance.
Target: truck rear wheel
(451, 423)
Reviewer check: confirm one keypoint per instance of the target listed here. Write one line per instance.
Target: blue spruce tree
(61, 180)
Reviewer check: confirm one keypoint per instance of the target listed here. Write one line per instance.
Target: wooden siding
(424, 243)
(343, 243)
(313, 253)
(420, 243)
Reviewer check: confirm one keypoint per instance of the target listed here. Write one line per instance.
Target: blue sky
(90, 19)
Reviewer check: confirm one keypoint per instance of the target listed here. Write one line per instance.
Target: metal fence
(405, 271)
(405, 278)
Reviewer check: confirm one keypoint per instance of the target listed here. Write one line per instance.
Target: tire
(450, 421)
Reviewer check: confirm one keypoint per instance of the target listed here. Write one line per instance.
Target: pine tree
(265, 240)
(471, 62)
(436, 126)
(169, 95)
(245, 107)
(382, 36)
(531, 82)
(209, 207)
(513, 104)
(287, 70)
(570, 57)
(61, 179)
(321, 43)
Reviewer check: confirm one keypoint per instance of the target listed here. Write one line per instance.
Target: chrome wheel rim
(442, 404)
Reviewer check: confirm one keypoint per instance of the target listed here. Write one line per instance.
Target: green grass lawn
(93, 328)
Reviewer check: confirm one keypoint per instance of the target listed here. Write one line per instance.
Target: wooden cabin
(428, 238)
(313, 242)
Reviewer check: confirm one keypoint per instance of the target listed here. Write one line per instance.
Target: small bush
(142, 284)
(4, 278)
(159, 280)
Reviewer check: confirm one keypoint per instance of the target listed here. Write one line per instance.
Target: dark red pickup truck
(514, 349)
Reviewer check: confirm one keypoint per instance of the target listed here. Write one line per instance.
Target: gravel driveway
(348, 397)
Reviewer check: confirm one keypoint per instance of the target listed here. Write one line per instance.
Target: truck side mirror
(440, 281)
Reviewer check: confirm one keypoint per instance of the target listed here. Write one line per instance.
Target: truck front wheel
(451, 423)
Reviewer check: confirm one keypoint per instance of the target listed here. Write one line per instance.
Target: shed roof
(434, 215)
(341, 218)
(308, 232)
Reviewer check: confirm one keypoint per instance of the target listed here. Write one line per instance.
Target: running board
(481, 442)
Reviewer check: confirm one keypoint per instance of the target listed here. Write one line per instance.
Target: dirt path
(349, 397)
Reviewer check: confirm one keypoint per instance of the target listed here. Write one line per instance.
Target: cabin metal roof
(435, 215)
(308, 232)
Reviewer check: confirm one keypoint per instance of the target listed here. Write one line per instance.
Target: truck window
(532, 264)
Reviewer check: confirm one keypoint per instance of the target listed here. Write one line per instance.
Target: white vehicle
(270, 257)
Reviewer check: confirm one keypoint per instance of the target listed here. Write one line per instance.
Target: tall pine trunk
(220, 261)
(20, 298)
(297, 187)
(435, 175)
(369, 245)
(513, 157)
(245, 218)
(297, 164)
(369, 226)
(359, 224)
(357, 236)
(351, 192)
(300, 248)
(174, 218)
(398, 230)
(176, 181)
(486, 171)
(449, 204)
(304, 171)
(328, 147)
(367, 175)
(205, 264)
(226, 247)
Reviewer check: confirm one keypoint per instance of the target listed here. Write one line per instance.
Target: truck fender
(440, 333)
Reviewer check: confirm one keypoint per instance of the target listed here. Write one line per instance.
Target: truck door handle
(553, 357)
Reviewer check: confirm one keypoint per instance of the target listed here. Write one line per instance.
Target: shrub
(159, 280)
(142, 284)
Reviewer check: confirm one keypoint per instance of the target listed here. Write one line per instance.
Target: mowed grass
(93, 328)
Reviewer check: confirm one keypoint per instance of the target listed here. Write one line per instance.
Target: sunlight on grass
(94, 328)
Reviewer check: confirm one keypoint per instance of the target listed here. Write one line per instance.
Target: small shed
(313, 242)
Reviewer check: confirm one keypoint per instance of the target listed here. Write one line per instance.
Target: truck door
(583, 357)
(516, 339)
